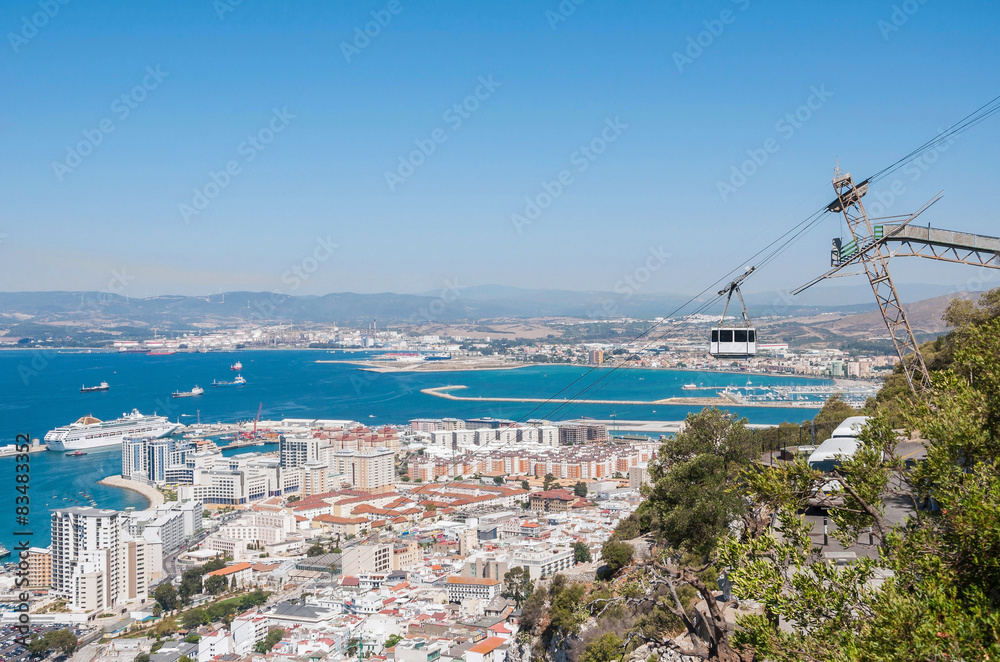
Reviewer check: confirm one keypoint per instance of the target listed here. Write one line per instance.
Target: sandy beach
(151, 493)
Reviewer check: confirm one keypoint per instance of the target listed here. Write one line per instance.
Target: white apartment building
(87, 557)
(460, 588)
(542, 563)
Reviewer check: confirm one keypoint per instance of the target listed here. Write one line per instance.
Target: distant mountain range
(20, 311)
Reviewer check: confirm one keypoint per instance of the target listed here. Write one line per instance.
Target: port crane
(874, 244)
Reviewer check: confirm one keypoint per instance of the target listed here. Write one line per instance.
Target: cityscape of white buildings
(372, 554)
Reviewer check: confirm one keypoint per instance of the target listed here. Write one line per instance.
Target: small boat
(4, 551)
(239, 381)
(236, 366)
(197, 390)
(75, 454)
(103, 386)
(689, 387)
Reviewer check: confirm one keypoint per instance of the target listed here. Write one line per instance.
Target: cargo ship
(197, 390)
(239, 381)
(103, 386)
(236, 366)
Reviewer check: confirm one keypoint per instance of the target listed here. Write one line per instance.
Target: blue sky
(329, 126)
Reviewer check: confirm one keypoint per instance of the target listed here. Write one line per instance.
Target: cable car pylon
(870, 248)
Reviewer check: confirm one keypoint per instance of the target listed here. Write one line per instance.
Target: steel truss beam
(874, 258)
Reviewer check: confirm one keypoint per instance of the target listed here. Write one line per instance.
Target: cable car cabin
(733, 342)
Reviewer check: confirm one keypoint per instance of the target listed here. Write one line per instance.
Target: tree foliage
(269, 642)
(166, 595)
(193, 618)
(62, 641)
(216, 584)
(615, 555)
(581, 552)
(930, 593)
(517, 585)
(696, 492)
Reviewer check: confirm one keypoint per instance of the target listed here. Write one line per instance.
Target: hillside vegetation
(927, 588)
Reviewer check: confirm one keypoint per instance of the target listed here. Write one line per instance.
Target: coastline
(719, 401)
(151, 494)
(384, 367)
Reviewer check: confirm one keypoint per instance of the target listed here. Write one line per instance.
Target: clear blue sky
(118, 211)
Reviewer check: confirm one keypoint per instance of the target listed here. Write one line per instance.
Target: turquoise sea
(41, 390)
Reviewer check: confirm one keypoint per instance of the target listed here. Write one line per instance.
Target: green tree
(315, 550)
(616, 555)
(192, 638)
(499, 480)
(697, 492)
(192, 618)
(216, 584)
(190, 584)
(517, 585)
(165, 627)
(166, 596)
(580, 489)
(533, 610)
(525, 485)
(606, 648)
(581, 552)
(185, 658)
(939, 600)
(62, 641)
(392, 640)
(548, 481)
(834, 411)
(142, 657)
(272, 638)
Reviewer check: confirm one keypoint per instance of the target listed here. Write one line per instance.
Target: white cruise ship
(90, 432)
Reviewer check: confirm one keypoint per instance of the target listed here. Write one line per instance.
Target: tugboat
(75, 454)
(236, 366)
(90, 389)
(197, 390)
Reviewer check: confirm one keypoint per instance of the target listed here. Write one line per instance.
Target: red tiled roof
(228, 570)
(488, 645)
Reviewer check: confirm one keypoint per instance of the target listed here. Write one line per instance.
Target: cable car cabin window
(741, 335)
(751, 335)
(726, 335)
(715, 335)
